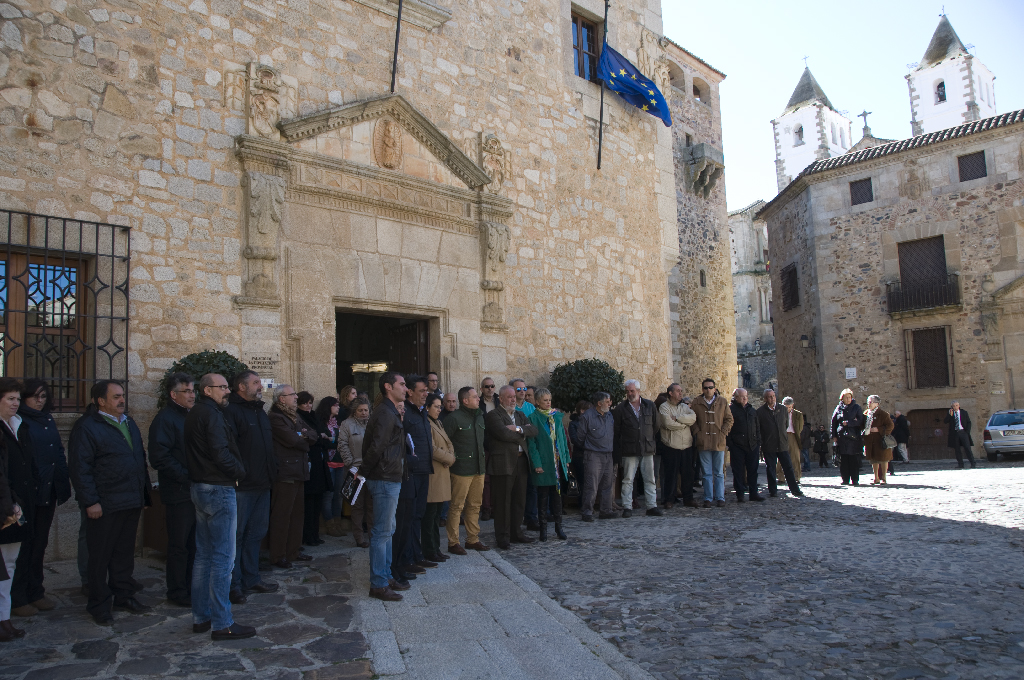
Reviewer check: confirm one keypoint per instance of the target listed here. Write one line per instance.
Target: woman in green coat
(549, 460)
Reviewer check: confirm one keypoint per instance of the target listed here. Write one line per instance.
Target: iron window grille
(860, 192)
(584, 48)
(63, 303)
(929, 357)
(972, 166)
(790, 287)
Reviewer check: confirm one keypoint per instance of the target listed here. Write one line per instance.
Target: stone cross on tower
(805, 61)
(864, 114)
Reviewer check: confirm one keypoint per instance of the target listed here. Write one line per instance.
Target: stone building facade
(276, 201)
(903, 267)
(752, 301)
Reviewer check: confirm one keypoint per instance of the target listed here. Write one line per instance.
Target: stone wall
(847, 254)
(704, 342)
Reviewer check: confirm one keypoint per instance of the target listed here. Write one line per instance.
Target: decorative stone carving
(910, 181)
(387, 143)
(420, 13)
(990, 324)
(496, 161)
(264, 95)
(704, 165)
(264, 208)
(498, 237)
(648, 54)
(663, 78)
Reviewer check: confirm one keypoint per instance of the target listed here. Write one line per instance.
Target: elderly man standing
(794, 427)
(108, 471)
(466, 430)
(252, 496)
(384, 467)
(167, 456)
(744, 443)
(676, 419)
(597, 433)
(214, 468)
(636, 423)
(714, 421)
(960, 434)
(292, 439)
(772, 420)
(507, 430)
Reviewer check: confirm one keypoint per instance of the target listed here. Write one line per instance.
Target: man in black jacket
(772, 421)
(901, 433)
(412, 502)
(167, 456)
(384, 468)
(256, 445)
(506, 431)
(214, 468)
(636, 425)
(744, 441)
(108, 470)
(960, 434)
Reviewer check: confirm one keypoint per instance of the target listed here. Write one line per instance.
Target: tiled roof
(854, 157)
(916, 142)
(743, 210)
(695, 56)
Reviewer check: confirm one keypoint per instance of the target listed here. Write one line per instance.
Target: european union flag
(621, 76)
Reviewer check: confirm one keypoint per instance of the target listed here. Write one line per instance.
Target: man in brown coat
(506, 432)
(714, 420)
(292, 439)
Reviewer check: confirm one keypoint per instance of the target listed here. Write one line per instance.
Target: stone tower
(949, 86)
(809, 129)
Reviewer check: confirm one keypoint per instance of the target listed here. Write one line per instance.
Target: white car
(1004, 433)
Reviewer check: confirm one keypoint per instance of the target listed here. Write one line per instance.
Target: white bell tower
(809, 129)
(949, 86)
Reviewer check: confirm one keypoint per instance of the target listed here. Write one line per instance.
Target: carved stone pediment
(387, 133)
(420, 13)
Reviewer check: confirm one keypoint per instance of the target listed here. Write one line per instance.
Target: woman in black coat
(52, 488)
(319, 481)
(16, 499)
(847, 423)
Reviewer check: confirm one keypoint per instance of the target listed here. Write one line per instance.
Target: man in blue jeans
(256, 444)
(214, 468)
(384, 468)
(714, 422)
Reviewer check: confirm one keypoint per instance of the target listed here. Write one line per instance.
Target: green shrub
(199, 364)
(580, 379)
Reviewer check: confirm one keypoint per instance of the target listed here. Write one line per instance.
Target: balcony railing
(942, 293)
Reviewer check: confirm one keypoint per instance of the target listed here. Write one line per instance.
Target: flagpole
(398, 33)
(600, 124)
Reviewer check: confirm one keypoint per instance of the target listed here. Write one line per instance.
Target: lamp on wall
(805, 342)
(750, 309)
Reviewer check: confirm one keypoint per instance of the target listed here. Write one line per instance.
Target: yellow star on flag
(650, 91)
(633, 76)
(654, 101)
(644, 108)
(622, 71)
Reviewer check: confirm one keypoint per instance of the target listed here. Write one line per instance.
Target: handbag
(572, 489)
(888, 442)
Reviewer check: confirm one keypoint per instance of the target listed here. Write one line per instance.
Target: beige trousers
(794, 458)
(467, 495)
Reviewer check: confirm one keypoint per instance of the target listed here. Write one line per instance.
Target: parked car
(1004, 433)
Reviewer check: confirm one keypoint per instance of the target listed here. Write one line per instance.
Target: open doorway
(928, 434)
(369, 345)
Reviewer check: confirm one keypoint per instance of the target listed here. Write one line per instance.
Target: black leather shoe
(523, 538)
(180, 601)
(587, 518)
(237, 597)
(798, 492)
(609, 515)
(283, 564)
(757, 498)
(627, 513)
(533, 526)
(235, 631)
(203, 627)
(104, 619)
(503, 545)
(426, 564)
(303, 557)
(404, 576)
(414, 569)
(740, 498)
(399, 585)
(264, 587)
(773, 494)
(655, 512)
(132, 605)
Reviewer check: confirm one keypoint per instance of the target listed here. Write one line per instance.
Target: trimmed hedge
(199, 364)
(580, 379)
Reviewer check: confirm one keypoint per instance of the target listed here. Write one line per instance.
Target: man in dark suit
(960, 434)
(505, 442)
(772, 420)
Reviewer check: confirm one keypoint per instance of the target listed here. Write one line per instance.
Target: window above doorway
(586, 49)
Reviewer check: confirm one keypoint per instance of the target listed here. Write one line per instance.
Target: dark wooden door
(928, 435)
(408, 352)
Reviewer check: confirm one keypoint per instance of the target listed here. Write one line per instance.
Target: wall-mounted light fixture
(805, 341)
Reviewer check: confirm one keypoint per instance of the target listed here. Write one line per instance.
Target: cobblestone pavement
(306, 632)
(920, 579)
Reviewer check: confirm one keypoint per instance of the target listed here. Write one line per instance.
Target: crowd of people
(234, 474)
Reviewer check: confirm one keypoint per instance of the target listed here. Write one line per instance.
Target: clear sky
(857, 52)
